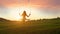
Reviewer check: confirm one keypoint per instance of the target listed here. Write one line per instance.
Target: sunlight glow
(15, 11)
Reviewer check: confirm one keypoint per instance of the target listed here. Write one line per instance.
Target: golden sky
(39, 8)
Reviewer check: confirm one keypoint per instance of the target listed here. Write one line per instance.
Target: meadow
(41, 26)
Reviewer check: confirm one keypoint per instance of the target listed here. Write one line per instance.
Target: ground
(42, 26)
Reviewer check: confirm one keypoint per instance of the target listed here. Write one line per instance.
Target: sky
(39, 9)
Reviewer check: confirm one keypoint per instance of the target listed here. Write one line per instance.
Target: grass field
(42, 26)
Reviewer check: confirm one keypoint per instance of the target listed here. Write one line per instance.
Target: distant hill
(4, 20)
(58, 18)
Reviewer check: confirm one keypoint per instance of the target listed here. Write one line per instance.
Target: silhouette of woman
(24, 14)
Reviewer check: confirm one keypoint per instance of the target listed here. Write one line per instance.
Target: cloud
(54, 2)
(46, 3)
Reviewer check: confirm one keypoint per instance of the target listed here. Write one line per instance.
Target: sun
(18, 17)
